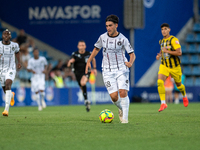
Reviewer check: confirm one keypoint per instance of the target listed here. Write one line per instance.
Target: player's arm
(158, 55)
(71, 61)
(131, 61)
(175, 44)
(29, 68)
(17, 55)
(45, 69)
(177, 52)
(94, 66)
(94, 53)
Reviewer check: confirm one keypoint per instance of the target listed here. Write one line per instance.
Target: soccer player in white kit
(115, 66)
(38, 66)
(8, 51)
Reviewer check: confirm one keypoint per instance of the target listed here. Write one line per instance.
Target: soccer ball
(106, 116)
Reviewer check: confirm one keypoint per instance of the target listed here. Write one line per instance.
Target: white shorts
(38, 82)
(116, 80)
(10, 74)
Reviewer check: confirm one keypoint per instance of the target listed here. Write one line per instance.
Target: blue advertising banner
(74, 96)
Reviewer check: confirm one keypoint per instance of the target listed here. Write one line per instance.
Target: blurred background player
(115, 65)
(170, 64)
(169, 86)
(176, 90)
(79, 60)
(38, 66)
(8, 51)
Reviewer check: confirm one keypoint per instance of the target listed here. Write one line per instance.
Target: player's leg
(181, 88)
(35, 88)
(123, 85)
(37, 96)
(42, 91)
(176, 74)
(42, 95)
(162, 76)
(176, 97)
(171, 95)
(7, 81)
(8, 95)
(83, 82)
(112, 88)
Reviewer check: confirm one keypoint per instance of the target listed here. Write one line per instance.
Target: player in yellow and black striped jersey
(170, 64)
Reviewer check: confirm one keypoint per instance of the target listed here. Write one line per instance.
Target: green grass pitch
(72, 128)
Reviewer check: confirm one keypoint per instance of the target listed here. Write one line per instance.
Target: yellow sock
(161, 89)
(182, 89)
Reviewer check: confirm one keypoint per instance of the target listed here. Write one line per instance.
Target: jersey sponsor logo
(177, 42)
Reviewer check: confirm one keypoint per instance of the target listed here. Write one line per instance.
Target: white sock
(118, 103)
(38, 99)
(7, 99)
(11, 95)
(163, 102)
(42, 95)
(125, 107)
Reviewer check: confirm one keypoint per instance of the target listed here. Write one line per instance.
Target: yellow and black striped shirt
(171, 44)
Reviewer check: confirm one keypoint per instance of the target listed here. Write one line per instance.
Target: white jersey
(7, 56)
(37, 65)
(114, 51)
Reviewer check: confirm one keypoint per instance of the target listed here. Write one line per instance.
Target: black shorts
(80, 75)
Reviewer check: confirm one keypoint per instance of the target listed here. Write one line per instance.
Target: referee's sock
(84, 88)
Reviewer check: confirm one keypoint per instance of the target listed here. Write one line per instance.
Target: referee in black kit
(79, 59)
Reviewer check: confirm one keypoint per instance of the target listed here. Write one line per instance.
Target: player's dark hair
(164, 25)
(35, 49)
(81, 41)
(112, 18)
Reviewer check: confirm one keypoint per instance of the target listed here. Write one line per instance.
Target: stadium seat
(197, 82)
(190, 38)
(184, 49)
(189, 81)
(185, 59)
(0, 35)
(194, 59)
(53, 63)
(198, 38)
(192, 48)
(196, 27)
(196, 70)
(14, 34)
(187, 70)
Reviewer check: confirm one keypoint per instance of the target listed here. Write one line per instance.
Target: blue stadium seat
(192, 48)
(184, 49)
(194, 59)
(53, 63)
(187, 70)
(14, 34)
(0, 35)
(190, 38)
(198, 38)
(196, 70)
(196, 27)
(197, 82)
(189, 81)
(185, 59)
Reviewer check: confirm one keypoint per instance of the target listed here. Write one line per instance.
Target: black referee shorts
(80, 75)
